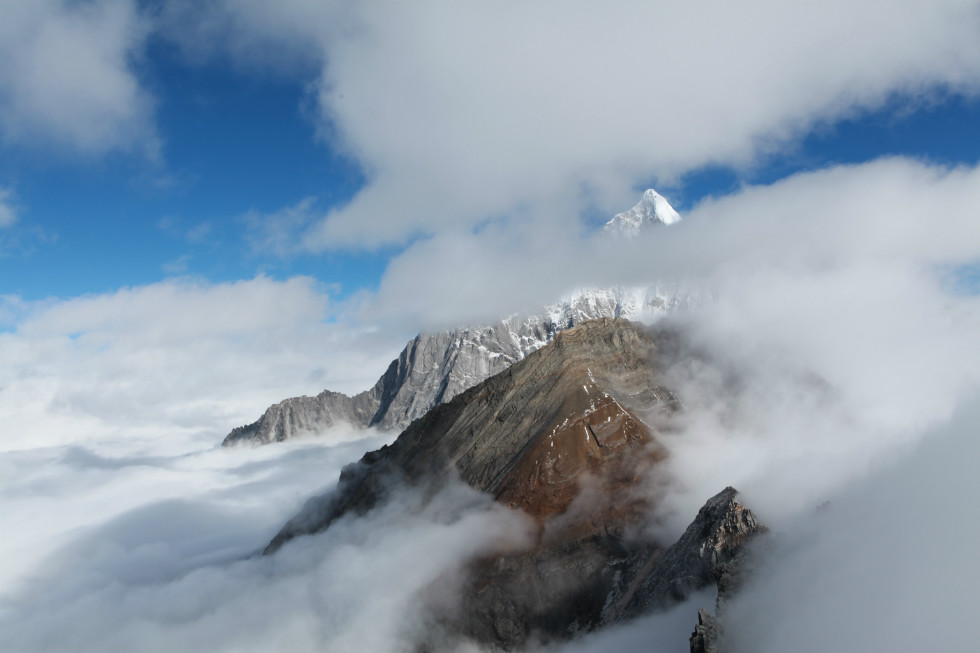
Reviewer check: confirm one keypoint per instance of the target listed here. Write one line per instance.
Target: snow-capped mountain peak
(434, 368)
(652, 208)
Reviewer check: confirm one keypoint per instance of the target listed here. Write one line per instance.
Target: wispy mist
(887, 564)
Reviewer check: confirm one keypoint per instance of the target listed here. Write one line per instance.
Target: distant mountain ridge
(434, 368)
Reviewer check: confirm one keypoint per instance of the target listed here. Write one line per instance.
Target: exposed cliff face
(434, 368)
(557, 436)
(300, 415)
(700, 557)
(527, 434)
(730, 567)
(582, 579)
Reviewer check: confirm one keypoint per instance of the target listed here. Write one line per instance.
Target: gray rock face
(730, 571)
(706, 634)
(701, 556)
(300, 415)
(432, 369)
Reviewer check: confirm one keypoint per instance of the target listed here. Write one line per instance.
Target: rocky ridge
(524, 434)
(559, 436)
(434, 368)
(730, 567)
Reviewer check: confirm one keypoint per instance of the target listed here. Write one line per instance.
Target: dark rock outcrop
(729, 566)
(701, 557)
(706, 634)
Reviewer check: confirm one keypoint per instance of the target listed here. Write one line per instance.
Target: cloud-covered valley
(839, 362)
(835, 361)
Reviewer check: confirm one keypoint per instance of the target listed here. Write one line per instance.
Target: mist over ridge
(211, 210)
(789, 402)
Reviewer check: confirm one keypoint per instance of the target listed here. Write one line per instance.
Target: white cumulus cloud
(68, 76)
(8, 215)
(463, 112)
(179, 355)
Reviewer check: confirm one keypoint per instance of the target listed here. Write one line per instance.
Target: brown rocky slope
(558, 436)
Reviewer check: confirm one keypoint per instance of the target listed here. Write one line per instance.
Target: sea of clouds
(838, 361)
(837, 367)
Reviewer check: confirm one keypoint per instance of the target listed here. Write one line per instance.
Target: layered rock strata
(434, 368)
(527, 434)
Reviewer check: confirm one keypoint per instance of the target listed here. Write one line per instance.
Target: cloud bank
(68, 77)
(179, 355)
(887, 565)
(894, 215)
(144, 553)
(459, 114)
(836, 361)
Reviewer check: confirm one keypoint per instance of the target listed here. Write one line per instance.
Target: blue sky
(231, 145)
(236, 143)
(946, 133)
(307, 184)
